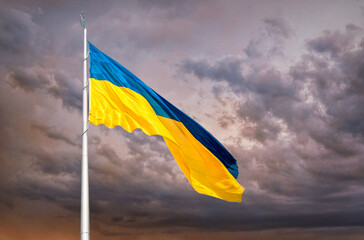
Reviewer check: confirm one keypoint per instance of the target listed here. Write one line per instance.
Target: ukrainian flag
(119, 98)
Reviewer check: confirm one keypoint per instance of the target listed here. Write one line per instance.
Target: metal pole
(85, 209)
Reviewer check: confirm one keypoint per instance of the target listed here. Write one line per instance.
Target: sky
(279, 83)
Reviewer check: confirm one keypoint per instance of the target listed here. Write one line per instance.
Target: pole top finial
(83, 20)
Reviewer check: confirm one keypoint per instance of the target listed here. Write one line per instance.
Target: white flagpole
(85, 209)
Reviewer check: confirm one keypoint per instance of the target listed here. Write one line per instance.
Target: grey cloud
(333, 142)
(50, 176)
(56, 163)
(302, 167)
(138, 142)
(334, 42)
(270, 42)
(20, 37)
(109, 154)
(330, 42)
(27, 79)
(253, 49)
(55, 133)
(353, 28)
(226, 121)
(93, 140)
(278, 27)
(264, 80)
(280, 94)
(324, 133)
(263, 131)
(352, 66)
(66, 89)
(266, 91)
(21, 34)
(227, 69)
(50, 82)
(18, 31)
(340, 87)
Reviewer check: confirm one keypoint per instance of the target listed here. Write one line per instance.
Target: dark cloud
(19, 31)
(54, 133)
(20, 38)
(252, 50)
(55, 163)
(330, 43)
(266, 90)
(308, 115)
(227, 69)
(109, 154)
(281, 95)
(24, 43)
(27, 79)
(270, 41)
(48, 82)
(294, 124)
(278, 27)
(68, 90)
(334, 42)
(339, 87)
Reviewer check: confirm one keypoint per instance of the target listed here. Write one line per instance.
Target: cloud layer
(285, 101)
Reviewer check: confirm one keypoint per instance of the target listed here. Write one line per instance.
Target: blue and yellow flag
(119, 98)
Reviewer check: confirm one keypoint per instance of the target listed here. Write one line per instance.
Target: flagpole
(85, 210)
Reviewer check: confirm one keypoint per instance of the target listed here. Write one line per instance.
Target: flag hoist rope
(85, 209)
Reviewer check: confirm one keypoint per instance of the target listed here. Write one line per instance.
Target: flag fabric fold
(119, 98)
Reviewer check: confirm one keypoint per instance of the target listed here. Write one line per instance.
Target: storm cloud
(282, 87)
